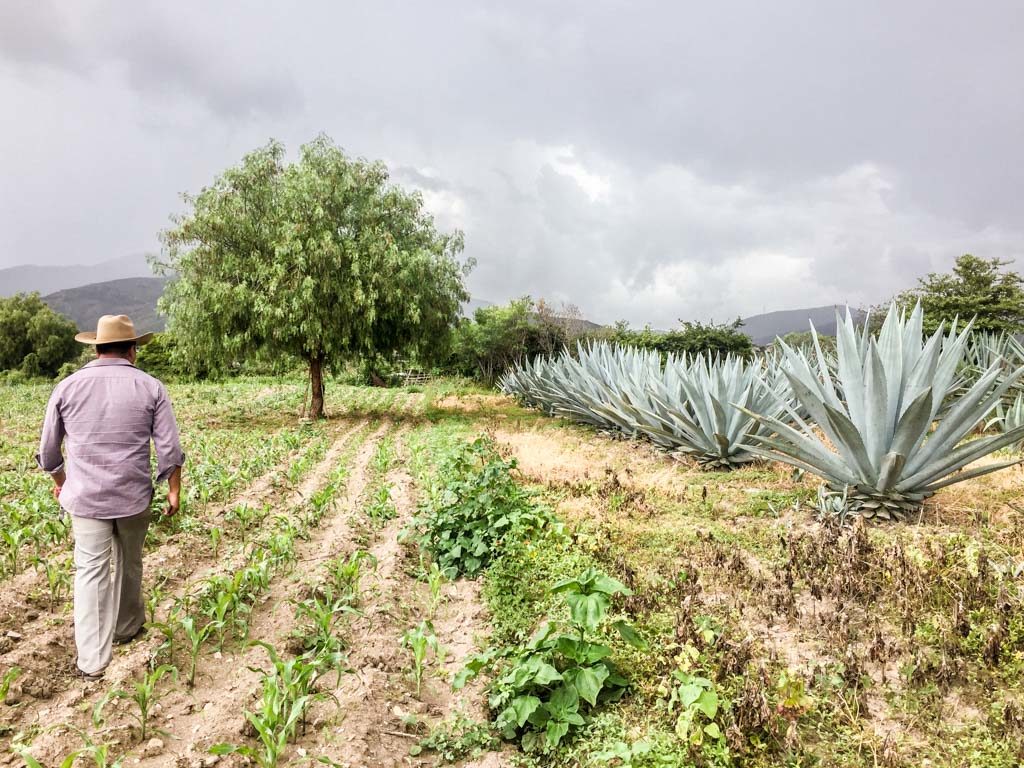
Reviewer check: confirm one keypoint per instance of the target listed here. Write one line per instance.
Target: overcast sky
(646, 161)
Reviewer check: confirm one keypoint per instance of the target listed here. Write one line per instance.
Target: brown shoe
(92, 676)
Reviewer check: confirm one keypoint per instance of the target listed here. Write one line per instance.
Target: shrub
(473, 507)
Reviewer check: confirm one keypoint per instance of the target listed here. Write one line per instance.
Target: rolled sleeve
(166, 440)
(50, 459)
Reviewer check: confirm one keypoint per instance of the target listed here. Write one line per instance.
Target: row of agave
(885, 420)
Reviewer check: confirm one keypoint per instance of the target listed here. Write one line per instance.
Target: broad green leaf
(589, 681)
(630, 635)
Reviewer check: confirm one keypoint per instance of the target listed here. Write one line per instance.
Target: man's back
(107, 412)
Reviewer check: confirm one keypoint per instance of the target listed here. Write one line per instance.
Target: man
(106, 413)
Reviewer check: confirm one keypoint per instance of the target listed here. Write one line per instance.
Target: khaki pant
(107, 606)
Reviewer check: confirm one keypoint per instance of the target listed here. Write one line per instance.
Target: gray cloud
(644, 160)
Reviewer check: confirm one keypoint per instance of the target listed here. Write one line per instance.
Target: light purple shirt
(106, 413)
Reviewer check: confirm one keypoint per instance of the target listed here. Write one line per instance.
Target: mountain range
(46, 279)
(127, 286)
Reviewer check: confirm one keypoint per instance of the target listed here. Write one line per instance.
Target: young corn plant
(344, 573)
(144, 694)
(287, 692)
(196, 637)
(7, 681)
(893, 413)
(381, 507)
(435, 581)
(420, 640)
(101, 755)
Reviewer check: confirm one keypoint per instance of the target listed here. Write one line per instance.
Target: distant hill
(764, 328)
(46, 280)
(132, 296)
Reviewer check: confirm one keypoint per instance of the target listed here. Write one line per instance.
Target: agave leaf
(972, 473)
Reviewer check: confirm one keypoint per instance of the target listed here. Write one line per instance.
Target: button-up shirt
(106, 413)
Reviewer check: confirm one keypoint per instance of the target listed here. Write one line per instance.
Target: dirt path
(377, 702)
(52, 652)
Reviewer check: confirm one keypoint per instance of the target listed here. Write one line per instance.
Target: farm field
(296, 585)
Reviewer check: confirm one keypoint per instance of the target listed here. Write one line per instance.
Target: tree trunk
(316, 385)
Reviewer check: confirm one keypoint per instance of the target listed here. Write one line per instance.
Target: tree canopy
(33, 338)
(323, 259)
(976, 288)
(499, 336)
(692, 338)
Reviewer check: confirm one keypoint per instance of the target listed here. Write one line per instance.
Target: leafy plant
(881, 411)
(472, 507)
(548, 686)
(697, 701)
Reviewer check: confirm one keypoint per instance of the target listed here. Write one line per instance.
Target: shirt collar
(100, 361)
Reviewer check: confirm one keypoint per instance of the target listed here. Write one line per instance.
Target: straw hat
(112, 329)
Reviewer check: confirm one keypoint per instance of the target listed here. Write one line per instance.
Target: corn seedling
(435, 580)
(345, 573)
(7, 680)
(381, 507)
(195, 636)
(420, 640)
(144, 694)
(215, 535)
(100, 755)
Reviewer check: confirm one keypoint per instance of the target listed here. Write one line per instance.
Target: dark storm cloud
(643, 160)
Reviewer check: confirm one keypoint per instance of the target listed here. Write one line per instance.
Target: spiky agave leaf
(890, 446)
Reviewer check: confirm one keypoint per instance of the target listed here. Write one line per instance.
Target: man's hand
(58, 482)
(173, 503)
(173, 492)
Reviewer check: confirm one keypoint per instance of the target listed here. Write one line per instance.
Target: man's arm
(169, 456)
(50, 459)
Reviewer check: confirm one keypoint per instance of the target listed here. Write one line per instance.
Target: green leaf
(588, 610)
(609, 586)
(555, 731)
(564, 701)
(707, 703)
(524, 706)
(545, 674)
(712, 730)
(630, 635)
(589, 681)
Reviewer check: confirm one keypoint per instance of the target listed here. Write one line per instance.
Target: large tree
(322, 258)
(976, 288)
(33, 338)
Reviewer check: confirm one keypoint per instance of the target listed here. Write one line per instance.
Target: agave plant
(986, 350)
(1010, 418)
(684, 405)
(703, 409)
(888, 445)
